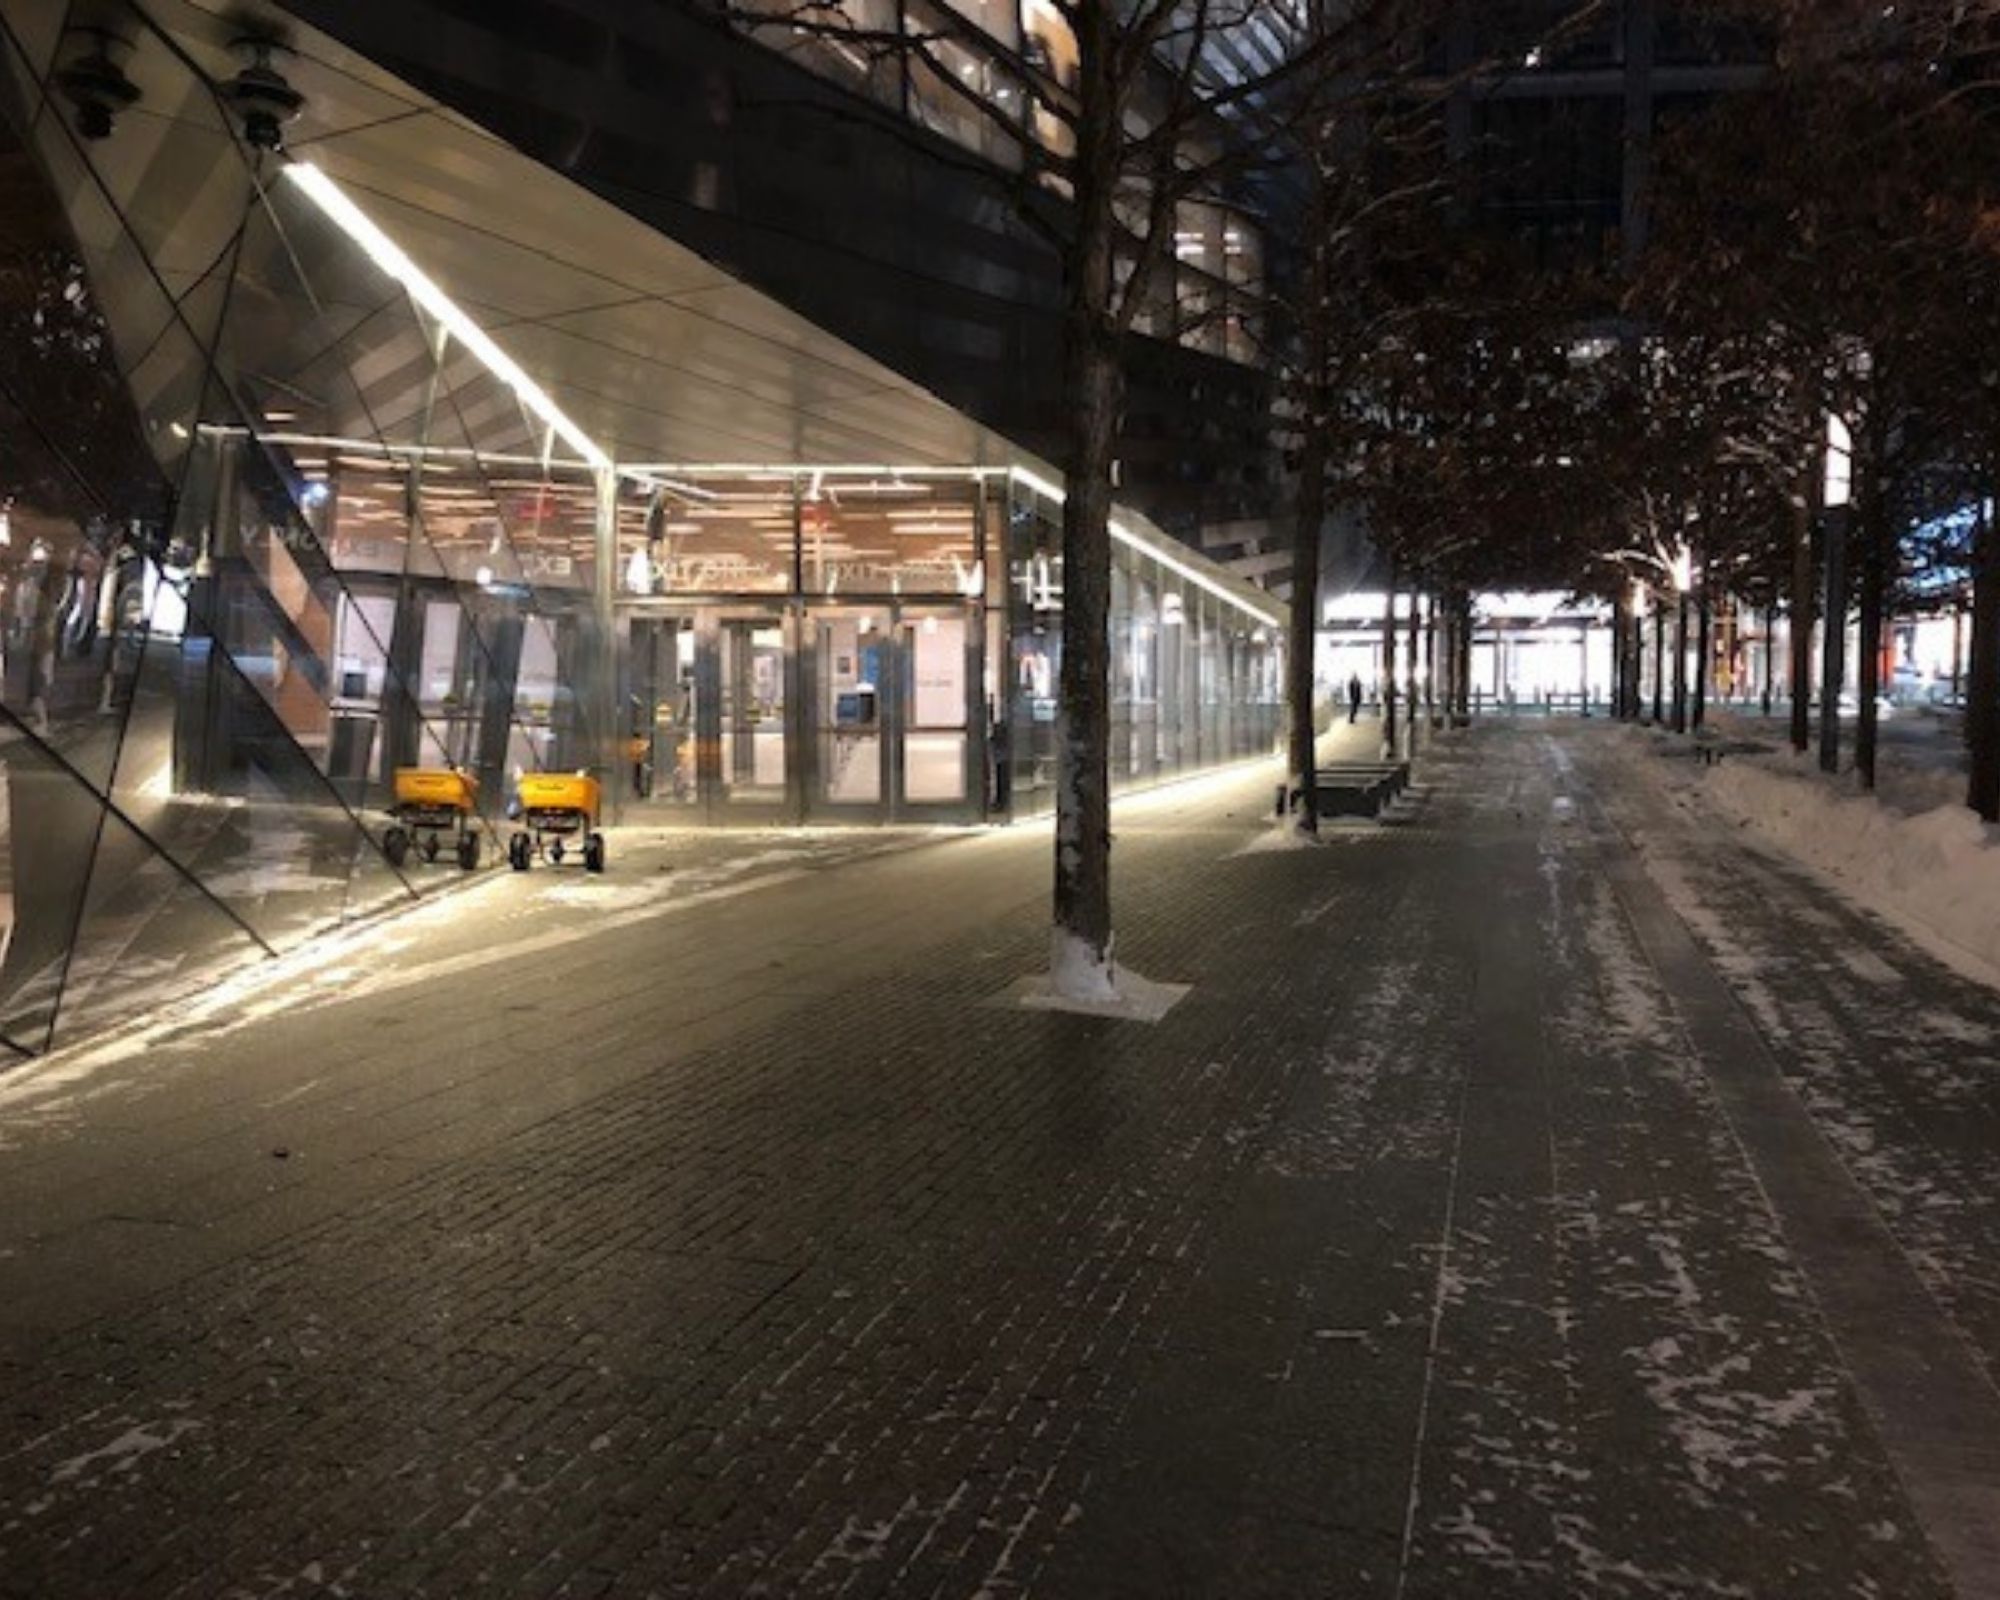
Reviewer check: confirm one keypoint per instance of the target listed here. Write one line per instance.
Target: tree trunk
(1310, 509)
(1701, 647)
(1447, 688)
(1080, 948)
(1465, 656)
(1770, 653)
(1833, 649)
(1635, 675)
(1804, 610)
(1982, 676)
(1621, 657)
(1681, 662)
(1459, 687)
(1659, 662)
(1430, 659)
(1310, 516)
(1389, 668)
(1633, 686)
(1412, 713)
(1617, 658)
(1872, 536)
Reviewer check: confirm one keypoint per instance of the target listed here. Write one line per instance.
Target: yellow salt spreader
(559, 813)
(431, 805)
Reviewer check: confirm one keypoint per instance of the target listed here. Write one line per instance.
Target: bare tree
(1853, 286)
(1160, 102)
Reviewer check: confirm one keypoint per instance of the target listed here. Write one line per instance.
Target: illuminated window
(999, 18)
(836, 44)
(1219, 271)
(960, 89)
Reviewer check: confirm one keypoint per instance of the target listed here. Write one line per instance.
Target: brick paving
(703, 1232)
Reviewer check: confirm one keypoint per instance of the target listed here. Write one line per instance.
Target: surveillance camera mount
(259, 95)
(95, 82)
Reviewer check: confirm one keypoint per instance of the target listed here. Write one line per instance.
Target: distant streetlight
(1839, 462)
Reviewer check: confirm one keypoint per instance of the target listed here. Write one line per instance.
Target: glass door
(444, 687)
(932, 714)
(532, 732)
(661, 733)
(364, 623)
(752, 701)
(849, 683)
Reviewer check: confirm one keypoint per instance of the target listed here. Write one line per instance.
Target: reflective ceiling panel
(657, 353)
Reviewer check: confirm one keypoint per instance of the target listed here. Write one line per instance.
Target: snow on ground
(1917, 857)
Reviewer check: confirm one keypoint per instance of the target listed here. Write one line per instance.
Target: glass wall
(267, 533)
(276, 522)
(808, 643)
(1197, 661)
(910, 672)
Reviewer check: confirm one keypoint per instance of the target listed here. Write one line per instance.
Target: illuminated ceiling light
(389, 256)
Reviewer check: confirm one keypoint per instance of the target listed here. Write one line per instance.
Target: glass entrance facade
(910, 671)
(278, 518)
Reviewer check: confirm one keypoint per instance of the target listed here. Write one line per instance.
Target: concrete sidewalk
(632, 1242)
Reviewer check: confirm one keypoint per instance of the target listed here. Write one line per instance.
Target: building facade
(396, 446)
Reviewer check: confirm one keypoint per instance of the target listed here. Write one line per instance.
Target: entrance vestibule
(847, 713)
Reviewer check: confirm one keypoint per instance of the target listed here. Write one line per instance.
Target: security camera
(96, 84)
(259, 95)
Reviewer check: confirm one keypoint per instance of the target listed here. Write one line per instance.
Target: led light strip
(389, 256)
(825, 469)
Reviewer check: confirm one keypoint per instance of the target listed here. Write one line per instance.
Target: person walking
(1353, 696)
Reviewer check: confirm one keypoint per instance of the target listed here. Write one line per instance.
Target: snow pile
(1921, 765)
(1938, 869)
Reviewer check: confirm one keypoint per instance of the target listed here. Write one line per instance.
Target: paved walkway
(1545, 1196)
